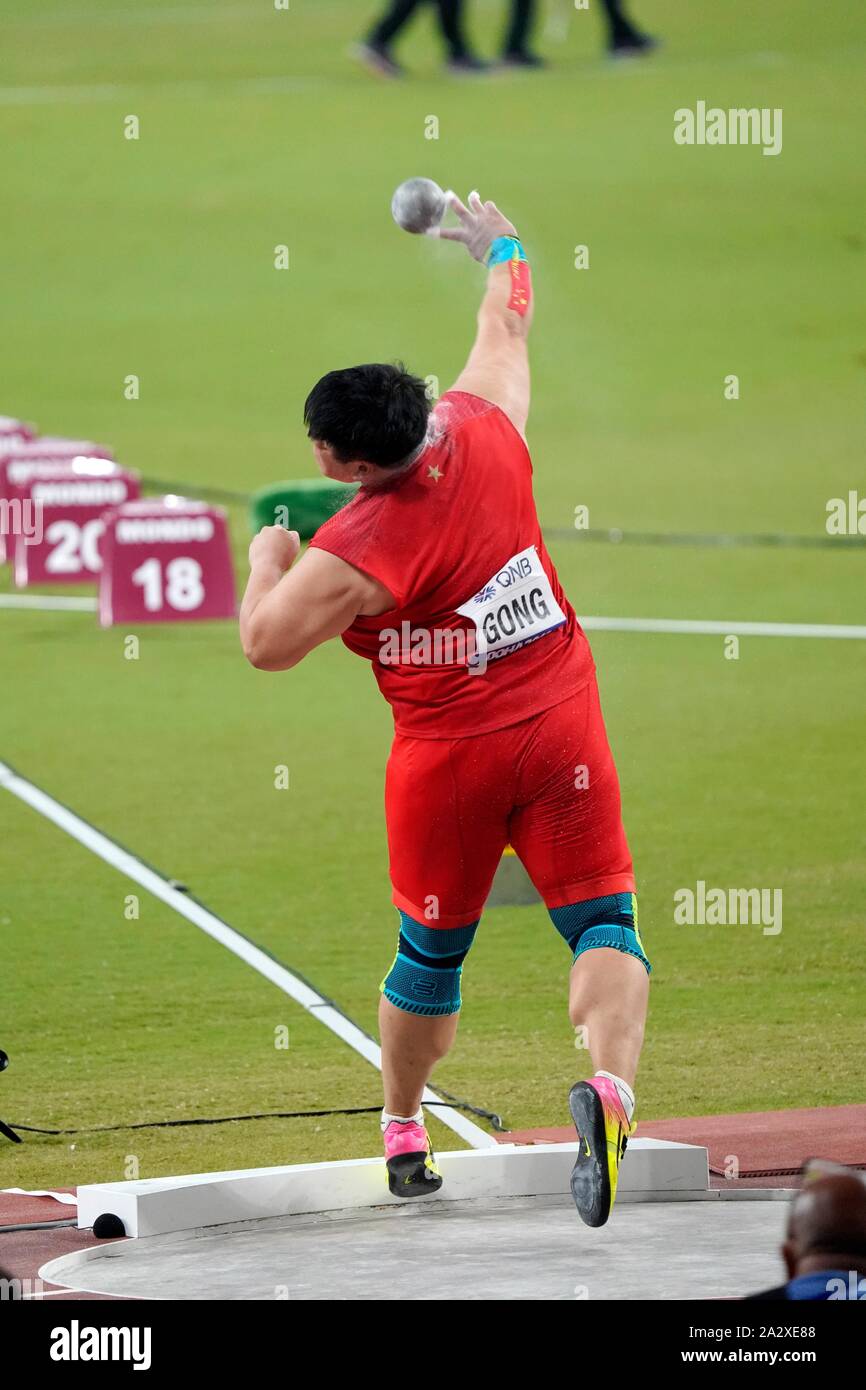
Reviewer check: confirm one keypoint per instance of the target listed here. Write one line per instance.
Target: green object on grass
(301, 504)
(512, 886)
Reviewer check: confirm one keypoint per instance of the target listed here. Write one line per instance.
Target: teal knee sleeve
(608, 921)
(425, 976)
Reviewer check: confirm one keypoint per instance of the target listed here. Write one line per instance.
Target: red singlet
(482, 636)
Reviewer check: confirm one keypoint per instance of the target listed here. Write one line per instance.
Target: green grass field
(155, 257)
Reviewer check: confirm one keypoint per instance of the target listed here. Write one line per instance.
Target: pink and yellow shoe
(602, 1131)
(410, 1160)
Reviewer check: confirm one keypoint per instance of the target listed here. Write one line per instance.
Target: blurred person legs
(515, 50)
(375, 50)
(624, 39)
(461, 58)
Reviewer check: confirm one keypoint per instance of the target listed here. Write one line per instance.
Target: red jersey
(482, 635)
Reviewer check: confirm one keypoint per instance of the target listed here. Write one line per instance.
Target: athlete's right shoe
(602, 1132)
(410, 1160)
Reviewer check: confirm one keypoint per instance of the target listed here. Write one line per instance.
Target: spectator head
(827, 1223)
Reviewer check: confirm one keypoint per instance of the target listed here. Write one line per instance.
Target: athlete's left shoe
(410, 1160)
(602, 1131)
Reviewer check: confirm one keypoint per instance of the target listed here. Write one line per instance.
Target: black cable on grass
(452, 1101)
(496, 1121)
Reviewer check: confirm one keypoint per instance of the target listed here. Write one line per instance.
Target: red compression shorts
(547, 786)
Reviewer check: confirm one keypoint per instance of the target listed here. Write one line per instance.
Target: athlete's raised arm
(498, 365)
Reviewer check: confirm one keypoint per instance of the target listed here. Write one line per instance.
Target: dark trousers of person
(620, 28)
(519, 25)
(401, 11)
(523, 16)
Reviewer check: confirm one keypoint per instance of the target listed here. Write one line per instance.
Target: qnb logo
(712, 125)
(77, 1343)
(720, 907)
(514, 571)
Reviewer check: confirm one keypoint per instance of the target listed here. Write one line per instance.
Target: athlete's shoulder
(473, 419)
(456, 409)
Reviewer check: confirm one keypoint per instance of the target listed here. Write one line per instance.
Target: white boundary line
(710, 628)
(51, 1293)
(694, 626)
(150, 15)
(48, 602)
(239, 945)
(182, 87)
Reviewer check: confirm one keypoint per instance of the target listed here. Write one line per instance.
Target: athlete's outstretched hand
(480, 224)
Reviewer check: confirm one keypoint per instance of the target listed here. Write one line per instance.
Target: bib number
(516, 606)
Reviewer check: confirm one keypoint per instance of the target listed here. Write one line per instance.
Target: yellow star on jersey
(434, 473)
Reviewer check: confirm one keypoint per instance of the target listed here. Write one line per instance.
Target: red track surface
(772, 1143)
(22, 1253)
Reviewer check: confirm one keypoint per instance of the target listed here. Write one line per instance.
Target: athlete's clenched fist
(276, 545)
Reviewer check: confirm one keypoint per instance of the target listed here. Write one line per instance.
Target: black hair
(376, 413)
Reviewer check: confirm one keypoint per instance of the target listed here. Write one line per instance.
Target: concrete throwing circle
(505, 1248)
